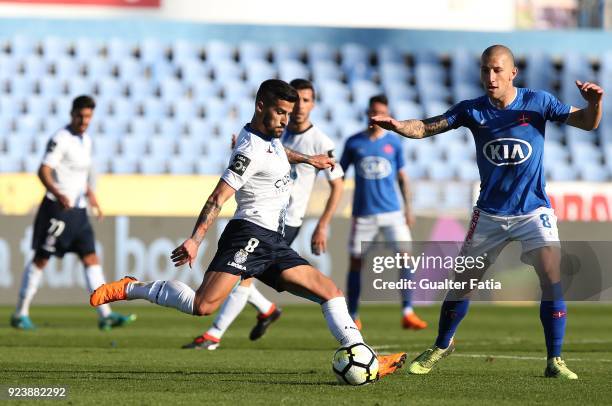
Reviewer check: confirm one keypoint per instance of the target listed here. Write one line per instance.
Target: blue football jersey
(377, 163)
(510, 148)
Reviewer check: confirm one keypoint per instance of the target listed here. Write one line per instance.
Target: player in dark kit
(61, 223)
(252, 243)
(508, 125)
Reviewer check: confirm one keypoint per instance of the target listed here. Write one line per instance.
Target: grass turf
(499, 358)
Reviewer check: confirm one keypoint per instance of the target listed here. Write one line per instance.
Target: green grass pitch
(499, 359)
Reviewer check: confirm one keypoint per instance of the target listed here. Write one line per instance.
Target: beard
(271, 129)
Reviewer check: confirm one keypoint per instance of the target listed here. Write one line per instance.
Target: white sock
(231, 308)
(340, 322)
(164, 293)
(29, 285)
(93, 279)
(407, 310)
(258, 300)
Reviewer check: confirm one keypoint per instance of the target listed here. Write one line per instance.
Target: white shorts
(490, 233)
(391, 225)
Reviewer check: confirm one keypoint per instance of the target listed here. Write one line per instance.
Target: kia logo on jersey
(374, 167)
(507, 151)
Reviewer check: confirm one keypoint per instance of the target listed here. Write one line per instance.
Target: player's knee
(205, 308)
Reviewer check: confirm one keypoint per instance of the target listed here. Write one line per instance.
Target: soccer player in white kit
(508, 124)
(304, 137)
(252, 244)
(61, 223)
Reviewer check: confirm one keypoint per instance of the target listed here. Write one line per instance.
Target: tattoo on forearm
(435, 125)
(295, 157)
(209, 213)
(423, 128)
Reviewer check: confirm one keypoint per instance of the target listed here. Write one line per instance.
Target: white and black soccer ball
(355, 365)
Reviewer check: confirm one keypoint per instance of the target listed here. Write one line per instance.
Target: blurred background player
(61, 224)
(304, 137)
(379, 160)
(513, 204)
(252, 243)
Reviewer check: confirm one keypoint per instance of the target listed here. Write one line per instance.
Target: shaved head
(498, 50)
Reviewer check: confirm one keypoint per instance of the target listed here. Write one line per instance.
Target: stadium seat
(244, 109)
(539, 72)
(465, 67)
(31, 163)
(181, 166)
(34, 66)
(249, 52)
(40, 143)
(215, 109)
(171, 89)
(85, 48)
(456, 151)
(554, 132)
(123, 165)
(234, 90)
(161, 71)
(10, 106)
(124, 108)
(388, 54)
(223, 71)
(435, 108)
(38, 106)
(65, 68)
(320, 51)
(192, 146)
(50, 87)
(77, 86)
(218, 51)
(575, 135)
(341, 112)
(204, 89)
(185, 50)
(169, 128)
(152, 165)
(21, 46)
(98, 68)
(465, 91)
(352, 54)
(361, 91)
(193, 70)
(154, 108)
(109, 88)
(128, 69)
(282, 52)
(134, 145)
(185, 109)
(161, 146)
(291, 69)
(225, 129)
(258, 71)
(22, 86)
(326, 70)
(398, 92)
(207, 166)
(593, 172)
(200, 129)
(561, 173)
(405, 109)
(393, 73)
(53, 47)
(152, 51)
(426, 195)
(104, 147)
(457, 196)
(425, 57)
(18, 145)
(582, 153)
(349, 128)
(468, 171)
(338, 133)
(439, 170)
(141, 126)
(426, 152)
(413, 170)
(139, 88)
(358, 72)
(331, 92)
(27, 124)
(119, 50)
(114, 128)
(9, 66)
(10, 164)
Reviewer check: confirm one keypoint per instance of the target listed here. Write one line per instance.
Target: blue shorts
(249, 250)
(58, 231)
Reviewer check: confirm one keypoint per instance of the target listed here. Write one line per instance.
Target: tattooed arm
(188, 250)
(322, 161)
(413, 128)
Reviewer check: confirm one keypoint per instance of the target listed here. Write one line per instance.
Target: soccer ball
(355, 365)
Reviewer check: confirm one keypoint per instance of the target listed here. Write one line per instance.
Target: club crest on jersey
(374, 167)
(507, 151)
(239, 164)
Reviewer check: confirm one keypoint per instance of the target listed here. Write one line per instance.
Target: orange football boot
(110, 292)
(388, 364)
(414, 322)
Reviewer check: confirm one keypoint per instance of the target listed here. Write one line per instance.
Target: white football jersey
(260, 173)
(310, 142)
(69, 156)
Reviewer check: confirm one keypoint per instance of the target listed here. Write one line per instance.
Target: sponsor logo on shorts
(374, 167)
(507, 151)
(240, 257)
(235, 265)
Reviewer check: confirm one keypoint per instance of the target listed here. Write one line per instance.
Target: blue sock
(451, 314)
(354, 289)
(553, 317)
(406, 293)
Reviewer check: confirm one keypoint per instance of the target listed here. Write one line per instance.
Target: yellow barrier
(137, 195)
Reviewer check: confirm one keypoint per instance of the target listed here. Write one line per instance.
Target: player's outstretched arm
(321, 161)
(188, 250)
(413, 128)
(589, 117)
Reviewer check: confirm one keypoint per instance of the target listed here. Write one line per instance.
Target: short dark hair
(300, 84)
(272, 90)
(379, 98)
(83, 102)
